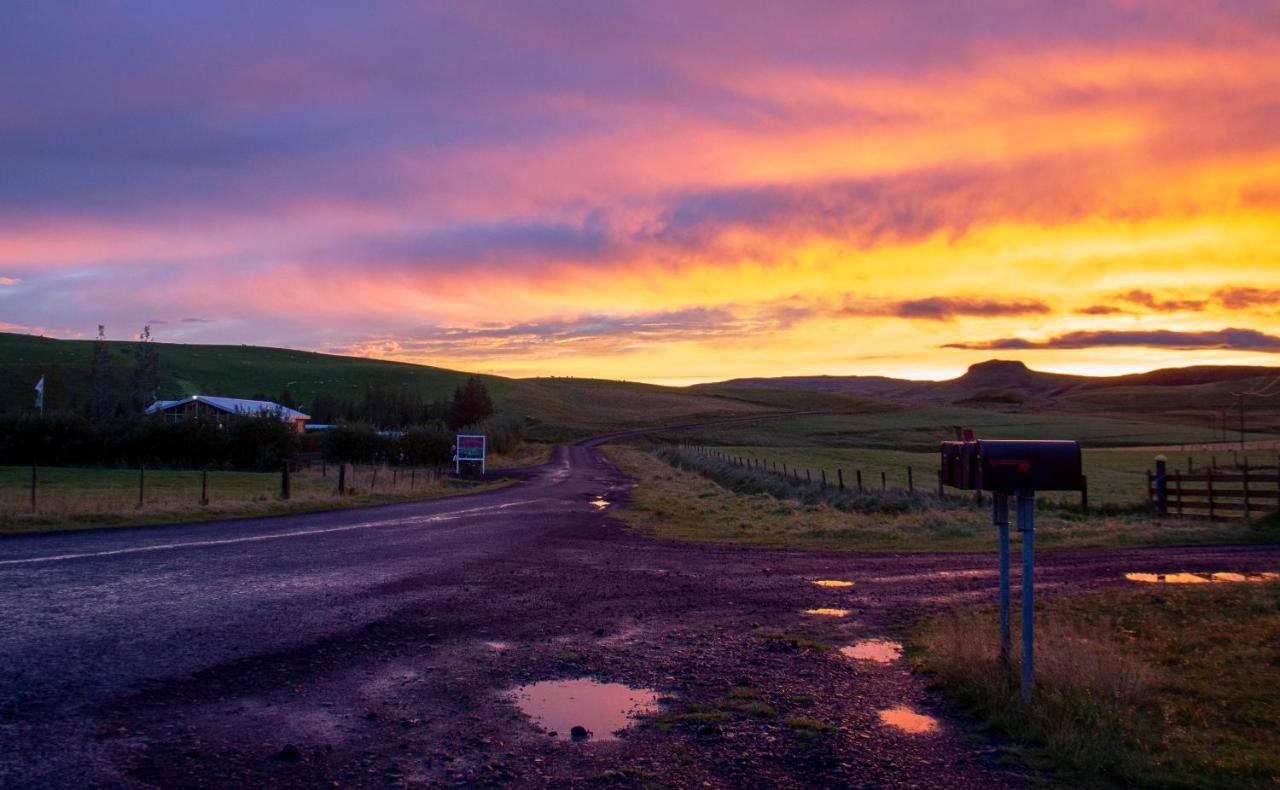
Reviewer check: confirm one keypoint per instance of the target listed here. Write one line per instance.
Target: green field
(1153, 686)
(70, 498)
(921, 429)
(676, 504)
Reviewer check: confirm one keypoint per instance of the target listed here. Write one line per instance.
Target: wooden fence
(1219, 494)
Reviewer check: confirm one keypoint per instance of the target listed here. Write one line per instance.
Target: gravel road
(380, 645)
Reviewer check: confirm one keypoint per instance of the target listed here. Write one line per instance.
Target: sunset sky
(658, 191)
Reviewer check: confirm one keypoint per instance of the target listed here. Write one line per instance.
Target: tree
(101, 404)
(471, 404)
(146, 371)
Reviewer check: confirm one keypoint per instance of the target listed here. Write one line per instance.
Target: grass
(920, 430)
(1157, 686)
(672, 503)
(1116, 476)
(75, 498)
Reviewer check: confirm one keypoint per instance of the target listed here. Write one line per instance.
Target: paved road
(160, 656)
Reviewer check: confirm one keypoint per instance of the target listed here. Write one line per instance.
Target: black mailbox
(1007, 465)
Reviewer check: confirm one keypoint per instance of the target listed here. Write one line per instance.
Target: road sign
(469, 448)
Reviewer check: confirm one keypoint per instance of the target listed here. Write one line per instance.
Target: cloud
(1230, 339)
(1151, 302)
(1100, 309)
(943, 308)
(1238, 298)
(9, 281)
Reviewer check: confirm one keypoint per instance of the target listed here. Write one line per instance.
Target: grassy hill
(554, 408)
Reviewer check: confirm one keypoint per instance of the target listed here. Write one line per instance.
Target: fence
(1217, 493)
(141, 486)
(856, 482)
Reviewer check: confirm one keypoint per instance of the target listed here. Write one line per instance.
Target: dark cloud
(1239, 298)
(1152, 302)
(1232, 339)
(1100, 309)
(943, 308)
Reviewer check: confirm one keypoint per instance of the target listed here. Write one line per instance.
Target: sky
(658, 191)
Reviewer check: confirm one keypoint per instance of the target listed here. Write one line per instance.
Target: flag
(40, 395)
(40, 385)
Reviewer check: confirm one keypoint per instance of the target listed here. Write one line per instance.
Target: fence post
(373, 481)
(1245, 480)
(141, 483)
(808, 477)
(286, 485)
(840, 478)
(784, 470)
(342, 479)
(413, 479)
(33, 486)
(884, 482)
(204, 487)
(824, 479)
(1084, 495)
(1162, 487)
(911, 482)
(1212, 512)
(859, 473)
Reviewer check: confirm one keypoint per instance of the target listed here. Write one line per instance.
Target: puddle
(497, 646)
(1200, 578)
(600, 503)
(908, 720)
(603, 709)
(832, 583)
(828, 612)
(881, 651)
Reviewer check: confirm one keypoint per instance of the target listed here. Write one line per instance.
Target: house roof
(250, 408)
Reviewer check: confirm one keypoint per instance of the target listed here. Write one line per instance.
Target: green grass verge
(1150, 686)
(76, 498)
(668, 502)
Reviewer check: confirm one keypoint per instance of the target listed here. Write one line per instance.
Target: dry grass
(1149, 686)
(70, 498)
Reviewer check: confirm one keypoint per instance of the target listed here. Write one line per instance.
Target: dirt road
(379, 646)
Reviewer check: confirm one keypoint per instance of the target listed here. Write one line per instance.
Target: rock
(289, 753)
(579, 733)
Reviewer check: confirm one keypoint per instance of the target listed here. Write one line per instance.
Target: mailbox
(1013, 465)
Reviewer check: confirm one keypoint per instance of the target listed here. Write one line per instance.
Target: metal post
(1000, 518)
(286, 485)
(859, 481)
(1027, 526)
(911, 481)
(840, 478)
(204, 487)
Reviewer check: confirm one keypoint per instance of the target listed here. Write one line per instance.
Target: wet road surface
(380, 646)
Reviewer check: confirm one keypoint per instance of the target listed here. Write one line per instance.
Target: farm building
(211, 406)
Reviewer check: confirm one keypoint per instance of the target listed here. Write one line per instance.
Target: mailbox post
(1018, 469)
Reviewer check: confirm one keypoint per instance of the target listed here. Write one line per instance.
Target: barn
(212, 406)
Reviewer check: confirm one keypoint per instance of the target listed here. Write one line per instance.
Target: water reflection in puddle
(600, 503)
(498, 646)
(908, 720)
(1200, 578)
(881, 651)
(827, 612)
(602, 709)
(832, 583)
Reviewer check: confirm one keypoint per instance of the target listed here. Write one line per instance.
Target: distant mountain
(1010, 384)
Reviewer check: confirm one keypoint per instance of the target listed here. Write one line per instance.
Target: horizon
(690, 383)
(649, 194)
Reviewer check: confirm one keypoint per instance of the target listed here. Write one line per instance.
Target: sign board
(469, 447)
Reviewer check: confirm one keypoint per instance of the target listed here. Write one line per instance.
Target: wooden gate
(1222, 494)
